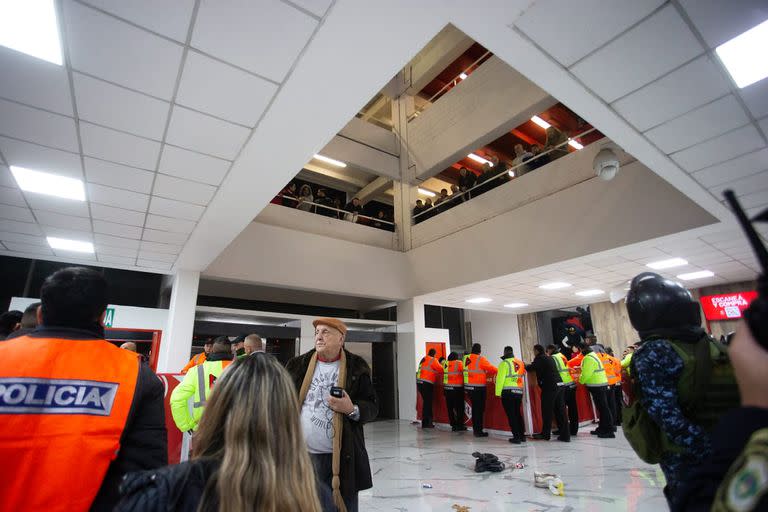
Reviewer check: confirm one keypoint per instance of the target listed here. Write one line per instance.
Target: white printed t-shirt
(316, 416)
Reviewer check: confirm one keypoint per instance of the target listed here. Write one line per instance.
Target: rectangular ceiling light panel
(744, 55)
(70, 245)
(30, 26)
(49, 184)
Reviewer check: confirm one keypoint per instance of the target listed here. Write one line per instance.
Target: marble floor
(599, 474)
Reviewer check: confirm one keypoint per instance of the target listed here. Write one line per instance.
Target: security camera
(606, 164)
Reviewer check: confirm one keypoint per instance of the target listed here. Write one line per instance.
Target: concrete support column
(405, 191)
(410, 329)
(177, 339)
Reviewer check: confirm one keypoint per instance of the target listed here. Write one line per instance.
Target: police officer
(453, 386)
(428, 373)
(509, 386)
(569, 387)
(552, 393)
(681, 378)
(74, 405)
(197, 384)
(477, 369)
(593, 376)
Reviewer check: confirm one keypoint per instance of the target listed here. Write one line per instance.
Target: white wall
(492, 100)
(494, 331)
(363, 156)
(126, 317)
(372, 135)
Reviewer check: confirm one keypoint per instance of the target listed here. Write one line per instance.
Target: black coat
(355, 473)
(546, 371)
(180, 488)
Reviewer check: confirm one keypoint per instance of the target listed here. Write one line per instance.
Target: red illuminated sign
(726, 307)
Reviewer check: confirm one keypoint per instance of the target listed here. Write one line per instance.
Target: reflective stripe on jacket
(562, 368)
(476, 370)
(592, 371)
(197, 385)
(64, 404)
(610, 369)
(454, 374)
(196, 360)
(510, 376)
(429, 370)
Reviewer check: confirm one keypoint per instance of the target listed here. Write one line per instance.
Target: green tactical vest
(562, 368)
(706, 389)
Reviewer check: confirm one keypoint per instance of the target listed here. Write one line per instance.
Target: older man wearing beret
(333, 425)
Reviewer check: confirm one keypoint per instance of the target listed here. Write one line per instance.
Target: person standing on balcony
(467, 180)
(305, 198)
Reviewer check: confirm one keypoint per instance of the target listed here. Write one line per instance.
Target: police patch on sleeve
(22, 395)
(748, 484)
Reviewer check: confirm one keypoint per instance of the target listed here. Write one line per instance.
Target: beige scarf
(338, 423)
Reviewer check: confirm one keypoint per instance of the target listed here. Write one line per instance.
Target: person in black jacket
(251, 422)
(333, 425)
(467, 180)
(552, 398)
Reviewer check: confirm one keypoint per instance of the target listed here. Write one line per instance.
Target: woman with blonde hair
(249, 452)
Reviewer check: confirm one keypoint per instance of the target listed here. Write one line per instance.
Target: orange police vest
(428, 370)
(574, 366)
(454, 375)
(610, 369)
(474, 370)
(196, 360)
(63, 404)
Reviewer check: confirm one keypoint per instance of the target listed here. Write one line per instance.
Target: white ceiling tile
(161, 248)
(119, 215)
(113, 229)
(735, 169)
(156, 256)
(147, 63)
(6, 178)
(177, 209)
(235, 95)
(118, 146)
(17, 213)
(58, 220)
(164, 236)
(74, 255)
(57, 204)
(580, 27)
(28, 248)
(169, 224)
(72, 234)
(252, 25)
(114, 241)
(34, 125)
(756, 98)
(316, 7)
(718, 24)
(120, 260)
(34, 81)
(117, 197)
(194, 166)
(116, 107)
(116, 251)
(644, 53)
(20, 227)
(206, 134)
(738, 142)
(684, 89)
(7, 236)
(153, 264)
(763, 123)
(183, 190)
(12, 196)
(40, 158)
(756, 199)
(754, 183)
(170, 19)
(703, 123)
(119, 176)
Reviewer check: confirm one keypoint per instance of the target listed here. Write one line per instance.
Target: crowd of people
(264, 437)
(323, 202)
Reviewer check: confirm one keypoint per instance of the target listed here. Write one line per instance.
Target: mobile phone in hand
(337, 391)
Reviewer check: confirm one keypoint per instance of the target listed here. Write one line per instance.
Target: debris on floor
(426, 486)
(487, 462)
(549, 480)
(460, 508)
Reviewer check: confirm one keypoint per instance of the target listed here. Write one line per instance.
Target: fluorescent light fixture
(590, 293)
(701, 274)
(479, 159)
(539, 121)
(70, 245)
(744, 55)
(516, 305)
(463, 76)
(479, 300)
(511, 174)
(49, 184)
(337, 163)
(30, 26)
(575, 145)
(557, 285)
(426, 192)
(670, 263)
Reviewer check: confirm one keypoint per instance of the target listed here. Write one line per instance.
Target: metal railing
(466, 195)
(341, 214)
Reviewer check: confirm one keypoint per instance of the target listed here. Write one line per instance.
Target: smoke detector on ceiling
(606, 164)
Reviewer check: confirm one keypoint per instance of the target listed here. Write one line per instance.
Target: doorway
(380, 356)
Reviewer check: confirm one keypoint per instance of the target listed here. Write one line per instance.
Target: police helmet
(657, 303)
